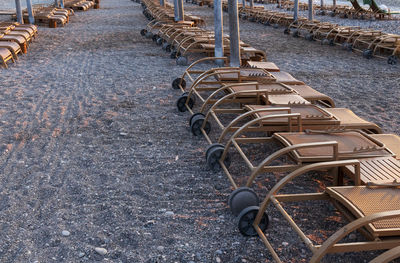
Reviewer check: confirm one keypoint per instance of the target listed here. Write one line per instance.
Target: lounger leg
(5, 64)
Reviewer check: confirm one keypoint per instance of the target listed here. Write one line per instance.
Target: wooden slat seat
(5, 55)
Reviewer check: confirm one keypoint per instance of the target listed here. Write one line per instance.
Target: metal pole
(243, 3)
(18, 10)
(334, 4)
(176, 11)
(55, 3)
(322, 4)
(310, 10)
(234, 36)
(180, 10)
(62, 3)
(296, 10)
(218, 31)
(251, 3)
(162, 3)
(30, 12)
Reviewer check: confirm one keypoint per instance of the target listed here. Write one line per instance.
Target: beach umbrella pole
(218, 31)
(18, 11)
(181, 15)
(30, 12)
(62, 3)
(176, 11)
(296, 10)
(310, 10)
(162, 3)
(234, 36)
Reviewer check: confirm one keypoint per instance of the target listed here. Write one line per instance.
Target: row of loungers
(50, 16)
(185, 38)
(368, 42)
(235, 109)
(240, 108)
(81, 5)
(15, 39)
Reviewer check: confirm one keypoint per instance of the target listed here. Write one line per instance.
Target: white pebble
(218, 259)
(169, 213)
(65, 233)
(101, 251)
(285, 244)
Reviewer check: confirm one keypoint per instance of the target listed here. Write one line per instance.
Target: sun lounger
(5, 56)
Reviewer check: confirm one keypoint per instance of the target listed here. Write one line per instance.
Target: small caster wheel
(295, 33)
(143, 32)
(392, 60)
(362, 17)
(367, 53)
(347, 46)
(197, 122)
(325, 41)
(276, 26)
(332, 14)
(322, 13)
(213, 155)
(242, 198)
(179, 82)
(164, 45)
(181, 102)
(345, 16)
(331, 43)
(194, 115)
(252, 19)
(149, 35)
(182, 61)
(173, 55)
(154, 37)
(267, 23)
(286, 31)
(168, 48)
(159, 41)
(309, 37)
(246, 219)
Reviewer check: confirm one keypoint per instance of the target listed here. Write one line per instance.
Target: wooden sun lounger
(374, 211)
(6, 55)
(13, 47)
(17, 39)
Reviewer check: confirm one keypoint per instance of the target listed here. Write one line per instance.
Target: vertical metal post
(162, 3)
(176, 11)
(244, 3)
(18, 10)
(62, 3)
(181, 14)
(334, 4)
(322, 4)
(251, 3)
(30, 12)
(56, 3)
(310, 10)
(218, 31)
(296, 10)
(234, 36)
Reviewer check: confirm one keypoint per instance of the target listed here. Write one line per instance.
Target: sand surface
(91, 143)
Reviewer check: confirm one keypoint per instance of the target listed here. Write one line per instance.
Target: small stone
(217, 259)
(285, 244)
(160, 248)
(169, 213)
(219, 252)
(81, 254)
(123, 133)
(101, 251)
(65, 233)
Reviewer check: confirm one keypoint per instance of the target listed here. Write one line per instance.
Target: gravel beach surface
(96, 164)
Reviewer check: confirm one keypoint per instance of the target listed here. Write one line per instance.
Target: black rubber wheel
(392, 60)
(196, 124)
(267, 23)
(173, 55)
(180, 103)
(367, 53)
(179, 82)
(143, 32)
(155, 37)
(242, 198)
(246, 219)
(194, 115)
(309, 37)
(286, 31)
(213, 155)
(164, 46)
(295, 33)
(182, 61)
(275, 26)
(168, 48)
(159, 41)
(149, 35)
